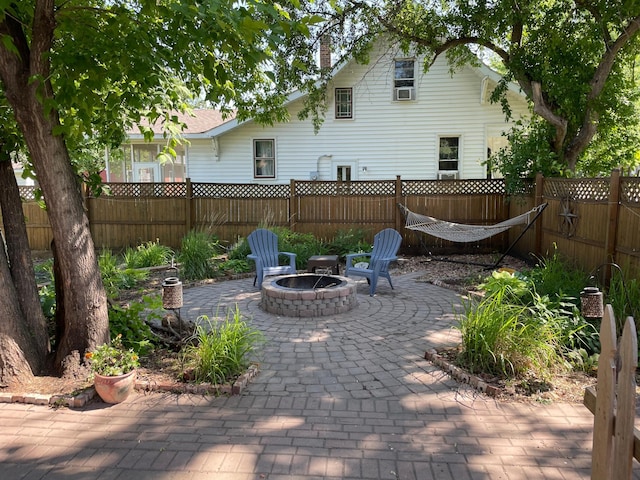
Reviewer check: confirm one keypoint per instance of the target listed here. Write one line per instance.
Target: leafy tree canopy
(116, 64)
(572, 58)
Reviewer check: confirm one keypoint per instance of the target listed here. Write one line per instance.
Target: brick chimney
(325, 51)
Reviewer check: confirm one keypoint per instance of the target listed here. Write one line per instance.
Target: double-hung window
(264, 158)
(344, 103)
(404, 79)
(448, 154)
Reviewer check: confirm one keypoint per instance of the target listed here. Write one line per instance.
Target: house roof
(197, 122)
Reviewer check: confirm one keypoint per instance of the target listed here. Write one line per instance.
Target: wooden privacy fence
(616, 441)
(592, 221)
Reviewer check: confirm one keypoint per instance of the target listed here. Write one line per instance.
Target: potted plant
(114, 370)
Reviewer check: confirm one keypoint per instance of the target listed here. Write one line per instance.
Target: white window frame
(271, 173)
(457, 158)
(340, 105)
(404, 87)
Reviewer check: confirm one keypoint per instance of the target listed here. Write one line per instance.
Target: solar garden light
(592, 299)
(592, 302)
(172, 293)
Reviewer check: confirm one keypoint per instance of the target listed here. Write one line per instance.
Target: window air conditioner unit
(448, 175)
(404, 93)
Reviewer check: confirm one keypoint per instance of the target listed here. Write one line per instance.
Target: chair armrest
(382, 264)
(252, 256)
(292, 258)
(350, 256)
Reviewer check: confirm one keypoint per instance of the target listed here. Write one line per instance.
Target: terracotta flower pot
(115, 389)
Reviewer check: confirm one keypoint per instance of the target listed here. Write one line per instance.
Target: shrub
(149, 254)
(130, 324)
(221, 351)
(115, 278)
(235, 266)
(348, 241)
(304, 245)
(499, 337)
(556, 277)
(515, 330)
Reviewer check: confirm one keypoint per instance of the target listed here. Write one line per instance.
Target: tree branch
(541, 108)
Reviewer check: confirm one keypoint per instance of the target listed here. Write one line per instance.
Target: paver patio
(342, 397)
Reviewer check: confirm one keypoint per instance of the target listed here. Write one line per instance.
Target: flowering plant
(112, 359)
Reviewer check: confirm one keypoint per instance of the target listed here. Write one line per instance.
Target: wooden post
(293, 205)
(188, 207)
(538, 200)
(615, 439)
(398, 220)
(612, 228)
(603, 416)
(626, 402)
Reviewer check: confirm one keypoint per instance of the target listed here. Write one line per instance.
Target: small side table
(323, 261)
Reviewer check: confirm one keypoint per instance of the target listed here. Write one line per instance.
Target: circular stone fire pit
(308, 295)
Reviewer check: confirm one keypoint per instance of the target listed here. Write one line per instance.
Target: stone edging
(83, 397)
(460, 375)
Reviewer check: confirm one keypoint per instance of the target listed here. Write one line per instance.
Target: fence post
(613, 403)
(626, 402)
(612, 229)
(188, 207)
(397, 217)
(293, 205)
(605, 400)
(538, 199)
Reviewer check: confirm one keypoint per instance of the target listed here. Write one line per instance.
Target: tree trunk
(21, 266)
(25, 74)
(85, 304)
(15, 346)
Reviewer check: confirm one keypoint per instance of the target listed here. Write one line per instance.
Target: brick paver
(348, 396)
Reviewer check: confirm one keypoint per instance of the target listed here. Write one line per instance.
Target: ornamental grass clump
(221, 350)
(515, 332)
(112, 359)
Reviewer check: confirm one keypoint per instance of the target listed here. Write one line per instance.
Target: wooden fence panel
(135, 213)
(231, 218)
(118, 222)
(626, 243)
(38, 226)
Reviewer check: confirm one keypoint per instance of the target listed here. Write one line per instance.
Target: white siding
(387, 137)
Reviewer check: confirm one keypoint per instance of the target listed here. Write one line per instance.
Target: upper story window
(449, 153)
(264, 158)
(344, 103)
(404, 80)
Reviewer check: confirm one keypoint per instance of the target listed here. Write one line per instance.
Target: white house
(384, 119)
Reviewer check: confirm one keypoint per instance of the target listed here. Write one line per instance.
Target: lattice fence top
(452, 187)
(593, 189)
(141, 190)
(630, 190)
(355, 188)
(244, 190)
(27, 193)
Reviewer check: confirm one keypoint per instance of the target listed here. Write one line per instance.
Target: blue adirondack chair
(264, 251)
(386, 244)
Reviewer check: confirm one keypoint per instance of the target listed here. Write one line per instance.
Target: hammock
(459, 232)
